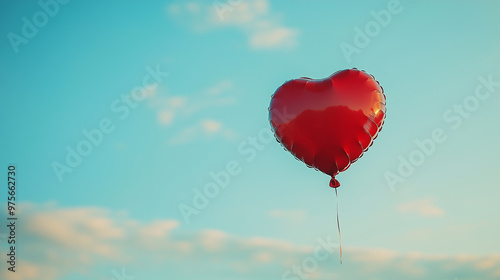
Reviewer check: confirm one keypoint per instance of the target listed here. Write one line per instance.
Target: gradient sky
(119, 208)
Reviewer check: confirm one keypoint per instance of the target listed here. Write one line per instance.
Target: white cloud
(185, 135)
(423, 207)
(293, 216)
(159, 229)
(253, 17)
(30, 270)
(213, 240)
(165, 248)
(220, 88)
(151, 90)
(176, 101)
(174, 111)
(193, 7)
(165, 117)
(211, 126)
(85, 229)
(273, 37)
(171, 107)
(263, 257)
(205, 128)
(239, 12)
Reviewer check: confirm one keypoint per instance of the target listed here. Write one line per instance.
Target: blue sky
(179, 90)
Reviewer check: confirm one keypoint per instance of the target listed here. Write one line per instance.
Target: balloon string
(338, 225)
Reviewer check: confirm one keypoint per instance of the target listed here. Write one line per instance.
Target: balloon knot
(334, 183)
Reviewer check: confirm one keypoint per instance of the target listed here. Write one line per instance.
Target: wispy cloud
(205, 128)
(171, 107)
(273, 37)
(293, 216)
(263, 27)
(424, 207)
(59, 241)
(180, 113)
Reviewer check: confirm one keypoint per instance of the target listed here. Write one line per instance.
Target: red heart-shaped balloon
(328, 124)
